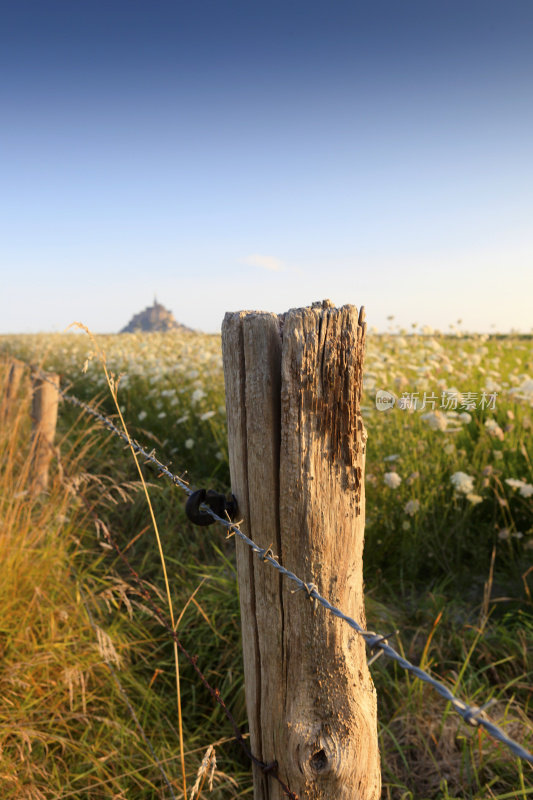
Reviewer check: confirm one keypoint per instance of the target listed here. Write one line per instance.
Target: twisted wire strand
(474, 715)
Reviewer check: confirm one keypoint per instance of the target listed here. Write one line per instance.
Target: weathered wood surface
(15, 370)
(297, 450)
(44, 417)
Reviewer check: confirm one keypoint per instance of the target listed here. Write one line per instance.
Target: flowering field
(449, 532)
(449, 465)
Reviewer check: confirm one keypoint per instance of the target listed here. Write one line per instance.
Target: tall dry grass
(65, 729)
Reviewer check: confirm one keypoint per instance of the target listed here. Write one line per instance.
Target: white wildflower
(514, 483)
(474, 498)
(436, 420)
(189, 444)
(412, 507)
(197, 395)
(525, 489)
(207, 415)
(162, 415)
(491, 386)
(392, 479)
(525, 390)
(142, 415)
(462, 482)
(494, 429)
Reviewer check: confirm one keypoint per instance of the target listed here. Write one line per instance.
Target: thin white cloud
(265, 262)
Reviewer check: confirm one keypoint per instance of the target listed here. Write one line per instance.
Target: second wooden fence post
(15, 370)
(44, 417)
(297, 451)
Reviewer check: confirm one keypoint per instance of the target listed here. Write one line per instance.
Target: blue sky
(236, 154)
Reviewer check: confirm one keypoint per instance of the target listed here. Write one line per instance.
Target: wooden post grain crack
(297, 452)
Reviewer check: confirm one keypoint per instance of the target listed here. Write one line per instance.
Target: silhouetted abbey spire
(154, 318)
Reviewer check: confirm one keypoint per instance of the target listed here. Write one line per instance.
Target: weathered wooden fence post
(44, 417)
(15, 370)
(297, 452)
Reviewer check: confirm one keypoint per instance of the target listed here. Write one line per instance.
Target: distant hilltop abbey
(154, 318)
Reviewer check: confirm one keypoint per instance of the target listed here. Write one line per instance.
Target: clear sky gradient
(236, 154)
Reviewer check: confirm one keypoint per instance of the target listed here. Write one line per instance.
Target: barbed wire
(474, 715)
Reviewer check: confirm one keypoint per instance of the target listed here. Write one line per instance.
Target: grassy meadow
(448, 562)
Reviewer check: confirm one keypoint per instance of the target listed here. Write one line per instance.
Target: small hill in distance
(154, 318)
